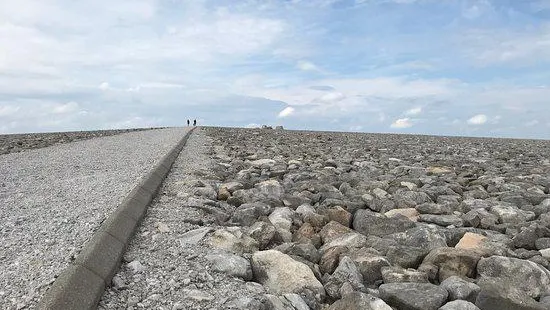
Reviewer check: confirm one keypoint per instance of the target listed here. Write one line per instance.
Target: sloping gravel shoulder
(168, 263)
(13, 143)
(53, 199)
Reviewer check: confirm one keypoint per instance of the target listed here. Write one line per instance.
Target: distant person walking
(194, 122)
(188, 123)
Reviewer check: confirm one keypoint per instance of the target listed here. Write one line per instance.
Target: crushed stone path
(53, 199)
(164, 267)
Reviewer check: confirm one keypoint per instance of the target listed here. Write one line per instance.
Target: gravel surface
(364, 221)
(53, 199)
(14, 143)
(163, 267)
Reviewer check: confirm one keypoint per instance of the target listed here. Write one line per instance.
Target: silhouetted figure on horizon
(188, 123)
(194, 122)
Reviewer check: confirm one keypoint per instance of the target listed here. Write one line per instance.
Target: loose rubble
(319, 220)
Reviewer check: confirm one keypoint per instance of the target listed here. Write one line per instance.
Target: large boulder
(410, 199)
(399, 275)
(231, 264)
(459, 305)
(271, 188)
(369, 264)
(425, 237)
(346, 272)
(232, 239)
(349, 240)
(359, 301)
(459, 288)
(372, 223)
(333, 230)
(406, 256)
(513, 283)
(281, 218)
(413, 296)
(281, 274)
(451, 262)
(511, 214)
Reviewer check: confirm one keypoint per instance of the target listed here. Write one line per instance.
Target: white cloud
(331, 97)
(253, 125)
(104, 86)
(8, 110)
(286, 112)
(479, 119)
(414, 111)
(402, 123)
(65, 108)
(307, 66)
(532, 123)
(522, 47)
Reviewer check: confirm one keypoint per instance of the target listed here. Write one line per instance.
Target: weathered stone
(359, 301)
(305, 250)
(231, 264)
(409, 213)
(410, 199)
(346, 272)
(340, 215)
(234, 241)
(263, 163)
(526, 238)
(511, 214)
(264, 233)
(330, 259)
(371, 223)
(451, 262)
(369, 264)
(406, 256)
(413, 296)
(459, 288)
(271, 188)
(399, 275)
(349, 240)
(434, 208)
(479, 218)
(333, 230)
(425, 237)
(281, 218)
(232, 186)
(441, 220)
(280, 274)
(459, 305)
(512, 282)
(542, 243)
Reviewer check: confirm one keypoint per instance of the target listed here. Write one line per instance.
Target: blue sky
(444, 67)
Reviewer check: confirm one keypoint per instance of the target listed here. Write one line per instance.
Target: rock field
(366, 221)
(270, 219)
(14, 143)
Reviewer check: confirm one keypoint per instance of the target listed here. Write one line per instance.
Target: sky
(438, 67)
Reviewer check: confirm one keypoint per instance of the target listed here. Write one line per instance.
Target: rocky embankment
(360, 221)
(14, 143)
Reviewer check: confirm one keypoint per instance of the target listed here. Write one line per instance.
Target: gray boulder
(459, 288)
(359, 301)
(459, 305)
(231, 264)
(346, 272)
(372, 223)
(413, 296)
(512, 282)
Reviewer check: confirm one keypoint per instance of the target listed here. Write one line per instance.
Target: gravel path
(163, 267)
(53, 199)
(14, 143)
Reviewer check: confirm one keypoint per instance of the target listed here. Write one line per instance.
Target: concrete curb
(81, 285)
